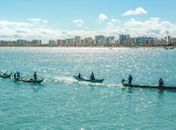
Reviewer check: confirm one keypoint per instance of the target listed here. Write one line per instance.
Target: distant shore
(119, 46)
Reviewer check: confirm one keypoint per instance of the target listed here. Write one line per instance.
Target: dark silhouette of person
(160, 83)
(130, 79)
(35, 75)
(92, 77)
(123, 81)
(79, 75)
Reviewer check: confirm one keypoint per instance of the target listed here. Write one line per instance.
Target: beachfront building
(144, 40)
(159, 42)
(83, 42)
(52, 43)
(7, 43)
(69, 42)
(173, 41)
(111, 41)
(22, 42)
(133, 41)
(36, 42)
(77, 41)
(89, 41)
(124, 39)
(60, 42)
(100, 40)
(170, 40)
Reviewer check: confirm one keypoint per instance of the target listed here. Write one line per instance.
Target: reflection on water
(61, 102)
(37, 87)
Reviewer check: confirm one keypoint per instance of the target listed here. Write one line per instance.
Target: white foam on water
(66, 80)
(71, 80)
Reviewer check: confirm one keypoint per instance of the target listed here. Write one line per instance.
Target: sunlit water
(62, 103)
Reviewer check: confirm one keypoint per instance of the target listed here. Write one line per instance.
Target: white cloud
(113, 23)
(12, 30)
(38, 20)
(137, 11)
(78, 22)
(25, 30)
(102, 17)
(153, 27)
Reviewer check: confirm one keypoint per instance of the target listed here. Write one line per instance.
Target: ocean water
(62, 103)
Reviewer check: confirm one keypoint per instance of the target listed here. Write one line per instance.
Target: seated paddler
(79, 75)
(160, 83)
(92, 77)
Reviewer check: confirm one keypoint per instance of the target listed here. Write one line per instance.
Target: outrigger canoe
(5, 75)
(169, 47)
(88, 80)
(149, 87)
(29, 80)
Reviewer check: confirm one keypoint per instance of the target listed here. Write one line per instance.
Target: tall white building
(69, 42)
(100, 40)
(111, 40)
(60, 42)
(89, 41)
(52, 42)
(36, 42)
(124, 39)
(77, 41)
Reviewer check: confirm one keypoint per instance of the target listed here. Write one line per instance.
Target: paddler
(130, 79)
(17, 75)
(35, 75)
(160, 83)
(92, 77)
(14, 76)
(79, 75)
(123, 81)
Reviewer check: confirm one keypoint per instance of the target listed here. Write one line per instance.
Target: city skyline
(43, 19)
(97, 41)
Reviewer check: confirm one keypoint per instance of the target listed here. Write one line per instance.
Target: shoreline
(110, 47)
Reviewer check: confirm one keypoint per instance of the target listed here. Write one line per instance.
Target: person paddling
(92, 77)
(123, 81)
(130, 79)
(14, 76)
(160, 83)
(35, 75)
(79, 75)
(17, 75)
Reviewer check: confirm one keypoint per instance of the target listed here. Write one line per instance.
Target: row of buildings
(20, 42)
(100, 40)
(125, 39)
(89, 41)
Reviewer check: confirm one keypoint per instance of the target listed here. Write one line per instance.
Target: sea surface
(62, 103)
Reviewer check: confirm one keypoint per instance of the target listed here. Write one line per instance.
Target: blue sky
(70, 16)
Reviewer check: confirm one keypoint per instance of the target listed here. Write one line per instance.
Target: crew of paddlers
(17, 77)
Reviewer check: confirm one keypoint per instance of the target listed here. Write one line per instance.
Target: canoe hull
(29, 80)
(5, 76)
(88, 80)
(149, 87)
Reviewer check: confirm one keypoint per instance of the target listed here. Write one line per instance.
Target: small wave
(99, 84)
(70, 80)
(66, 80)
